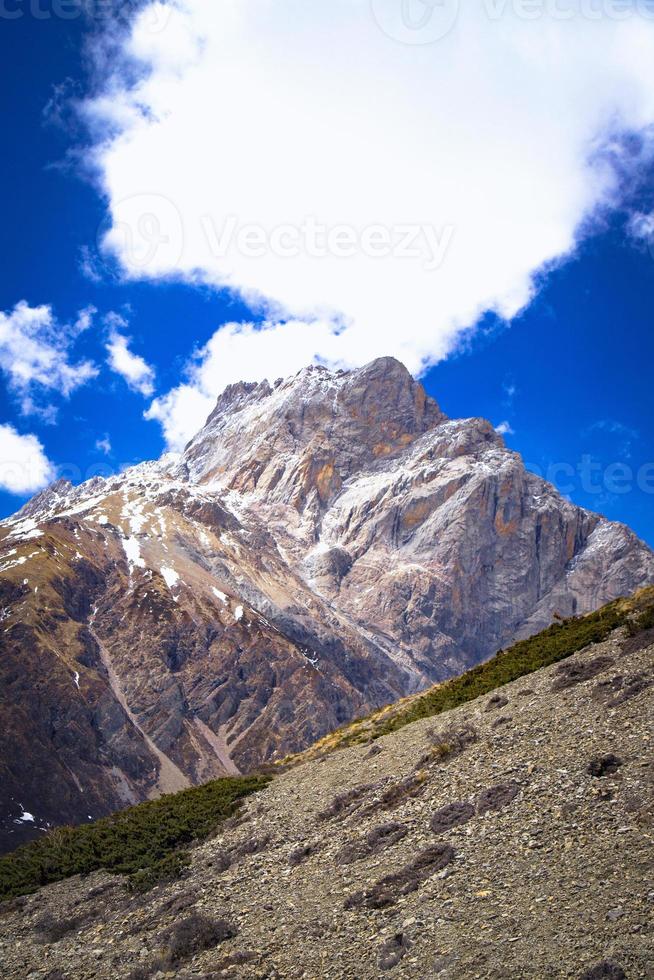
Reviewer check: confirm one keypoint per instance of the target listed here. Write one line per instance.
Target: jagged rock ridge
(323, 546)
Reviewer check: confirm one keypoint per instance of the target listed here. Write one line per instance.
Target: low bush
(301, 854)
(144, 842)
(193, 935)
(344, 803)
(408, 879)
(182, 942)
(51, 928)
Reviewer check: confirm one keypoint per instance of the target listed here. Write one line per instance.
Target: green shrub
(143, 841)
(557, 642)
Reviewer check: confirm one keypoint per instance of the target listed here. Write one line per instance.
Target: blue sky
(570, 375)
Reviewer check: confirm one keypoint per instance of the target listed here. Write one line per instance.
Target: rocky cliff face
(323, 546)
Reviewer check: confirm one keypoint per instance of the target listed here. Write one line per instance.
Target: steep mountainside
(509, 838)
(322, 547)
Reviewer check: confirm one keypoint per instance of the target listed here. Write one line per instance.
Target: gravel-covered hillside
(510, 837)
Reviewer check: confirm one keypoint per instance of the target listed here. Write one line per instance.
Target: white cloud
(35, 355)
(505, 429)
(641, 226)
(24, 466)
(250, 124)
(103, 445)
(132, 367)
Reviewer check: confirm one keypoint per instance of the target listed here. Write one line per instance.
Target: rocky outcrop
(323, 546)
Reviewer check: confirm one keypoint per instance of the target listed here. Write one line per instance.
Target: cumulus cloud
(24, 467)
(505, 429)
(383, 193)
(138, 374)
(36, 355)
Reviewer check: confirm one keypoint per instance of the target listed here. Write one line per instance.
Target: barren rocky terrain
(511, 837)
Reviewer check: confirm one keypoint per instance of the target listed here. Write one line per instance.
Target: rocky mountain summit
(508, 837)
(323, 546)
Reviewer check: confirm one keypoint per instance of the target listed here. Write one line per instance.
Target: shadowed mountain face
(322, 546)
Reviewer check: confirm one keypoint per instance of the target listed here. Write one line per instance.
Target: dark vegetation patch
(254, 845)
(497, 701)
(640, 641)
(388, 889)
(168, 868)
(375, 841)
(502, 720)
(183, 941)
(644, 621)
(396, 794)
(171, 907)
(448, 744)
(604, 971)
(350, 852)
(180, 902)
(50, 928)
(578, 671)
(345, 803)
(392, 951)
(619, 689)
(142, 972)
(379, 838)
(193, 935)
(497, 797)
(143, 841)
(12, 905)
(604, 765)
(239, 958)
(452, 815)
(223, 859)
(301, 854)
(99, 890)
(220, 861)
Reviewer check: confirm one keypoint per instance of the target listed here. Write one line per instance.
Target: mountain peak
(318, 421)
